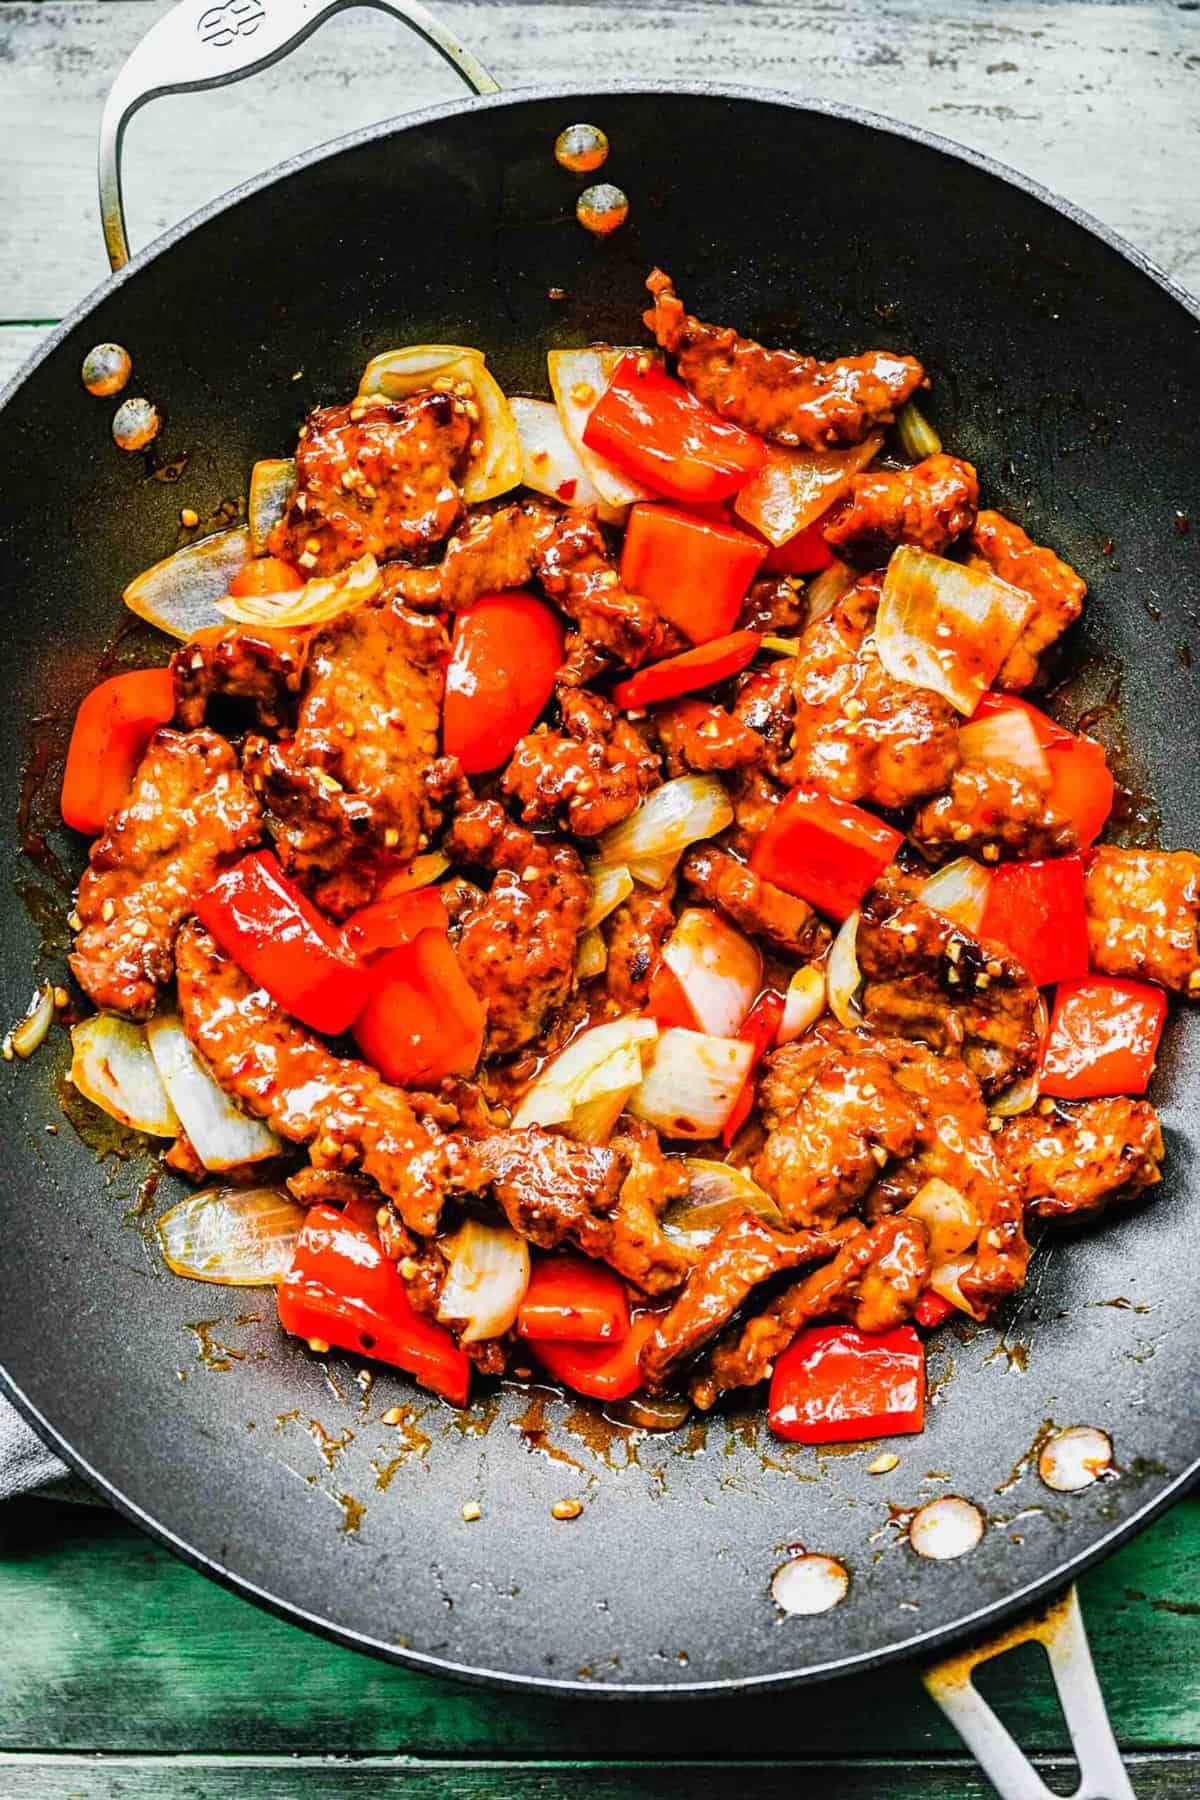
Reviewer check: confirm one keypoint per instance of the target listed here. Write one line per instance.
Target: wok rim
(980, 1620)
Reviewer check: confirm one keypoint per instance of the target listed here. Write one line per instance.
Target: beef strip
(993, 811)
(1079, 1157)
(639, 1248)
(697, 736)
(254, 664)
(334, 1187)
(765, 704)
(775, 604)
(931, 505)
(785, 921)
(1143, 910)
(189, 814)
(788, 398)
(1057, 592)
(377, 476)
(635, 933)
(591, 773)
(553, 1189)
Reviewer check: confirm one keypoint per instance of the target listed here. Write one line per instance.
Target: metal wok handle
(1059, 1628)
(206, 43)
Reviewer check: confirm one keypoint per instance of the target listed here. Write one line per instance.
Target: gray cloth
(25, 1462)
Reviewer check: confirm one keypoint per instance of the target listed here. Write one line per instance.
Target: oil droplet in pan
(135, 424)
(945, 1528)
(106, 369)
(1075, 1458)
(602, 208)
(581, 148)
(809, 1584)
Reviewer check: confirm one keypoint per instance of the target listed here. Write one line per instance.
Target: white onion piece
(693, 1083)
(397, 373)
(653, 871)
(591, 958)
(916, 436)
(421, 872)
(603, 1064)
(578, 378)
(843, 977)
(1075, 1458)
(496, 467)
(719, 970)
(111, 1065)
(949, 1218)
(809, 1584)
(179, 595)
(946, 1281)
(486, 1279)
(946, 1528)
(550, 463)
(318, 601)
(29, 1033)
(803, 1003)
(826, 589)
(677, 814)
(960, 890)
(220, 1133)
(272, 484)
(240, 1237)
(794, 487)
(946, 627)
(715, 1193)
(780, 646)
(611, 883)
(1006, 737)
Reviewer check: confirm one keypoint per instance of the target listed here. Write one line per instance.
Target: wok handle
(206, 43)
(1059, 1627)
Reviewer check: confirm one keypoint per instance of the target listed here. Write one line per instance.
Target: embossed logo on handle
(220, 25)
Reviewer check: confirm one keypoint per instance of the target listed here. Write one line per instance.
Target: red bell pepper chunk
(1081, 783)
(696, 571)
(806, 553)
(667, 1001)
(760, 1028)
(604, 1371)
(422, 1020)
(698, 668)
(388, 923)
(1103, 1038)
(506, 653)
(824, 850)
(112, 728)
(276, 935)
(932, 1309)
(265, 575)
(1036, 910)
(835, 1383)
(342, 1290)
(571, 1297)
(655, 429)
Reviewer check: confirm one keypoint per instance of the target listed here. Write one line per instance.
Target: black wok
(1069, 372)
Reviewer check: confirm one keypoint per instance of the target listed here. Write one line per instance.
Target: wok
(1068, 370)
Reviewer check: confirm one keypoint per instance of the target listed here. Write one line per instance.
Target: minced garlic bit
(318, 1346)
(394, 1415)
(884, 1463)
(471, 1511)
(189, 518)
(566, 1509)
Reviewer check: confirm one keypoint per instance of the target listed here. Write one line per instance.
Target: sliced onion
(240, 1237)
(315, 603)
(654, 871)
(611, 883)
(398, 373)
(677, 814)
(803, 1003)
(29, 1034)
(715, 1193)
(578, 378)
(220, 1133)
(179, 595)
(950, 1220)
(1006, 737)
(421, 872)
(111, 1065)
(826, 589)
(780, 646)
(585, 1087)
(946, 627)
(843, 977)
(591, 958)
(914, 433)
(719, 970)
(550, 464)
(272, 484)
(945, 1280)
(693, 1083)
(496, 467)
(960, 891)
(486, 1279)
(794, 487)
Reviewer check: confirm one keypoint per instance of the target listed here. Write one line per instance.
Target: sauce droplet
(602, 208)
(106, 369)
(809, 1584)
(945, 1528)
(581, 148)
(1075, 1458)
(135, 424)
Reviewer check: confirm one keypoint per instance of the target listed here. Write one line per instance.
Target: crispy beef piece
(994, 811)
(553, 1189)
(785, 921)
(426, 1279)
(377, 476)
(257, 665)
(639, 1249)
(925, 977)
(635, 933)
(745, 1252)
(774, 604)
(582, 661)
(189, 814)
(755, 797)
(332, 1187)
(1143, 910)
(788, 398)
(357, 786)
(697, 736)
(591, 774)
(765, 704)
(1082, 1156)
(518, 950)
(931, 505)
(1057, 592)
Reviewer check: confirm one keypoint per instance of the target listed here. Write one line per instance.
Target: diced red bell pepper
(422, 1019)
(604, 1371)
(826, 851)
(655, 429)
(506, 653)
(112, 728)
(699, 668)
(806, 553)
(265, 575)
(342, 1290)
(1036, 910)
(667, 1001)
(835, 1383)
(573, 1298)
(1081, 783)
(932, 1309)
(1103, 1038)
(276, 935)
(759, 1028)
(696, 571)
(388, 923)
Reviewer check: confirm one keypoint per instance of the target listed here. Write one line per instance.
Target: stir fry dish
(590, 892)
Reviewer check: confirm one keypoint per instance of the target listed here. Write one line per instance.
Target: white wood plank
(17, 345)
(1101, 102)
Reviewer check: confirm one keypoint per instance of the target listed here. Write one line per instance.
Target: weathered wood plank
(1101, 102)
(17, 345)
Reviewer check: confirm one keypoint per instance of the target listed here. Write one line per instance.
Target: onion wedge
(611, 883)
(960, 890)
(591, 959)
(945, 1281)
(1006, 737)
(715, 1193)
(221, 1134)
(843, 977)
(677, 814)
(946, 627)
(693, 1083)
(316, 603)
(111, 1065)
(719, 970)
(272, 484)
(826, 589)
(803, 1003)
(794, 487)
(486, 1279)
(550, 464)
(179, 595)
(496, 466)
(29, 1033)
(238, 1237)
(654, 871)
(578, 378)
(584, 1088)
(950, 1220)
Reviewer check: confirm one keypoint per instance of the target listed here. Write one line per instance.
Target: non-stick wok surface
(1072, 378)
